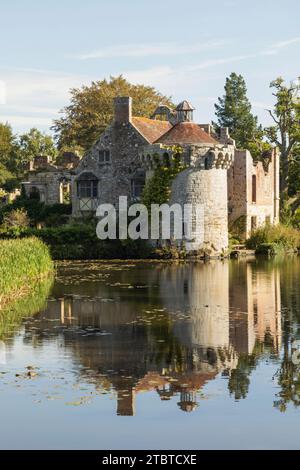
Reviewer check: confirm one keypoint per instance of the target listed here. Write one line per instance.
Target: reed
(282, 236)
(22, 262)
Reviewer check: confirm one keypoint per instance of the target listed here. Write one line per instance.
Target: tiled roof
(186, 133)
(151, 129)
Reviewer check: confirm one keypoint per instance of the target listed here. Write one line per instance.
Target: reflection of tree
(239, 381)
(288, 374)
(168, 350)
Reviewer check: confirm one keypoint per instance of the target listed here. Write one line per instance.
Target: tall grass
(22, 262)
(287, 238)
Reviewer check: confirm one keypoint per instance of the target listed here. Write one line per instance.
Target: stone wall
(253, 191)
(123, 142)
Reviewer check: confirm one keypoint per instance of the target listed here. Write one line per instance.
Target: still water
(154, 355)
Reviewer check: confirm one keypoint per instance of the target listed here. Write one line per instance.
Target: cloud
(213, 62)
(145, 50)
(25, 122)
(155, 74)
(34, 97)
(149, 75)
(278, 46)
(2, 92)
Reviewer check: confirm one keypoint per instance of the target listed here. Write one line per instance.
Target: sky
(185, 49)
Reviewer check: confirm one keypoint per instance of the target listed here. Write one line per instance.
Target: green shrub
(22, 262)
(269, 249)
(16, 218)
(36, 210)
(296, 219)
(288, 238)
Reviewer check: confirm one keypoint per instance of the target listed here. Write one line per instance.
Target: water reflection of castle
(186, 324)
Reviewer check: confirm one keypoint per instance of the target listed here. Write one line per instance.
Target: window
(104, 156)
(34, 193)
(87, 188)
(253, 188)
(138, 184)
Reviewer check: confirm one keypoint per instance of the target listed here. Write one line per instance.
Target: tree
(91, 110)
(5, 175)
(234, 112)
(31, 144)
(8, 146)
(294, 173)
(285, 133)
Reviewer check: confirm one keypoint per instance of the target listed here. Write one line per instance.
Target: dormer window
(104, 156)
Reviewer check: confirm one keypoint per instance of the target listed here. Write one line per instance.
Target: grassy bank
(273, 239)
(22, 262)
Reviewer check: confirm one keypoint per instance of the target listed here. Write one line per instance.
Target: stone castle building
(230, 186)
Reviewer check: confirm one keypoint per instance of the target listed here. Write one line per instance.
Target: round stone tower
(204, 184)
(201, 185)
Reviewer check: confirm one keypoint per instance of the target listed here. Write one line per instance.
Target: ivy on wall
(158, 188)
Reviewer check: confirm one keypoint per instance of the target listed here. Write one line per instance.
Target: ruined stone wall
(237, 190)
(248, 206)
(47, 184)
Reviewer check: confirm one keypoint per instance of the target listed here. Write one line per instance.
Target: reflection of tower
(201, 291)
(126, 402)
(255, 305)
(188, 401)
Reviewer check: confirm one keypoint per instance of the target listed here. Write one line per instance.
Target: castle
(232, 188)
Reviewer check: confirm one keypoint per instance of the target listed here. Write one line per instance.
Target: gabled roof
(151, 129)
(186, 133)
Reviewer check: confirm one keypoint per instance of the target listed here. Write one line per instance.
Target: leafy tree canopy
(8, 145)
(16, 151)
(35, 143)
(285, 133)
(91, 110)
(234, 111)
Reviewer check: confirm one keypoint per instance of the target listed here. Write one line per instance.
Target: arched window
(206, 163)
(138, 184)
(254, 195)
(166, 159)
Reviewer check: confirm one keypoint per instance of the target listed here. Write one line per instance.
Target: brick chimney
(123, 109)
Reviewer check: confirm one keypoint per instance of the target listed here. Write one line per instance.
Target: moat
(123, 355)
